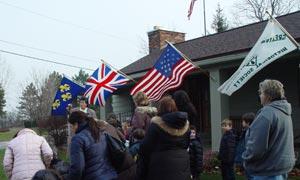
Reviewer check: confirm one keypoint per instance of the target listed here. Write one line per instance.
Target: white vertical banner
(273, 43)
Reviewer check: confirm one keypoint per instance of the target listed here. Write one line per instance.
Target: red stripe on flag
(176, 79)
(162, 87)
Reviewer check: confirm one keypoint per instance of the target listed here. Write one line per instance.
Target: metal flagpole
(283, 29)
(204, 16)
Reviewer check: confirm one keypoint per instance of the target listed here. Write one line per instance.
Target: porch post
(219, 107)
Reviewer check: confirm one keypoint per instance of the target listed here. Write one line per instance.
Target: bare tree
(143, 48)
(5, 75)
(256, 9)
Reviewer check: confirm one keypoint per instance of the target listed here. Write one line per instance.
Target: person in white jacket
(26, 154)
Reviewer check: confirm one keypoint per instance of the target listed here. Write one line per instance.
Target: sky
(80, 33)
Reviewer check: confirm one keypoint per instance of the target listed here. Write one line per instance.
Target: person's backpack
(120, 158)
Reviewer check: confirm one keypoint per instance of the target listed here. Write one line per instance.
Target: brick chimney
(158, 36)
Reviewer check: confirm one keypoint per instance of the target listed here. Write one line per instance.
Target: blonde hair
(272, 88)
(226, 122)
(140, 99)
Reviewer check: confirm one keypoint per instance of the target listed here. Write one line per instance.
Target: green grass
(2, 174)
(62, 154)
(7, 136)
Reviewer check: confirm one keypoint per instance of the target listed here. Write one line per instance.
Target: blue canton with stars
(167, 60)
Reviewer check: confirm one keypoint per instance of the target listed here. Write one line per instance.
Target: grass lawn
(2, 174)
(7, 136)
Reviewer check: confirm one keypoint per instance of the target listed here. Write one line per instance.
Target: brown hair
(248, 117)
(140, 99)
(166, 105)
(80, 117)
(138, 134)
(192, 127)
(226, 122)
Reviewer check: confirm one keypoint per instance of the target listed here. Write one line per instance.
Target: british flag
(167, 73)
(102, 83)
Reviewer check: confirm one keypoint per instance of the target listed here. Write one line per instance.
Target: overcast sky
(93, 29)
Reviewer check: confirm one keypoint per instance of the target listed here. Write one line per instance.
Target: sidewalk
(3, 144)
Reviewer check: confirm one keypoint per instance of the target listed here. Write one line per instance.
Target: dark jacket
(134, 148)
(196, 156)
(227, 148)
(142, 117)
(270, 142)
(89, 159)
(163, 153)
(240, 148)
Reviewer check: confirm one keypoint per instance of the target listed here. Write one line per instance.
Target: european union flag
(67, 91)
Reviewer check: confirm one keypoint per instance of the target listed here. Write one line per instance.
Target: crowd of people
(160, 143)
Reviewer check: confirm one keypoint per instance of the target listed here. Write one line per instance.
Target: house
(219, 55)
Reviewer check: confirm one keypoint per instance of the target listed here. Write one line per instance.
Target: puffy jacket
(89, 159)
(163, 152)
(142, 117)
(25, 155)
(196, 156)
(227, 148)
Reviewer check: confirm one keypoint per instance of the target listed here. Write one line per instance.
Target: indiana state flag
(67, 91)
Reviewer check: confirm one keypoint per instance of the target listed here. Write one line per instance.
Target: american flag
(102, 83)
(167, 73)
(191, 8)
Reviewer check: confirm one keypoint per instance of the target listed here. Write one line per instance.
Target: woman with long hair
(184, 104)
(89, 151)
(163, 152)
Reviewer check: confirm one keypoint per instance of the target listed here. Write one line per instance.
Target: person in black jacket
(163, 152)
(227, 150)
(184, 104)
(88, 150)
(196, 153)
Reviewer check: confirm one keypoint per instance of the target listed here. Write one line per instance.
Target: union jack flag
(102, 83)
(167, 73)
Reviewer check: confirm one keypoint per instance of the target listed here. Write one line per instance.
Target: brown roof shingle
(235, 40)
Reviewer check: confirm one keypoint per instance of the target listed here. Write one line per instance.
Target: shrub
(211, 163)
(56, 127)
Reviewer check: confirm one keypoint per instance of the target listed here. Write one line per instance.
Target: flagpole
(283, 29)
(188, 59)
(204, 16)
(118, 71)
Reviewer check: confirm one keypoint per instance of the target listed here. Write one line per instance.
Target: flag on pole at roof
(273, 43)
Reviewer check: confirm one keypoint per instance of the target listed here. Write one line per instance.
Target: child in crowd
(137, 135)
(247, 119)
(227, 150)
(196, 153)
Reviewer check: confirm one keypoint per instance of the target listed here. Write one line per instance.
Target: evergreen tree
(81, 77)
(220, 22)
(2, 101)
(29, 102)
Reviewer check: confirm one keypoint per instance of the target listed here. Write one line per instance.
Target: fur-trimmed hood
(151, 111)
(167, 128)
